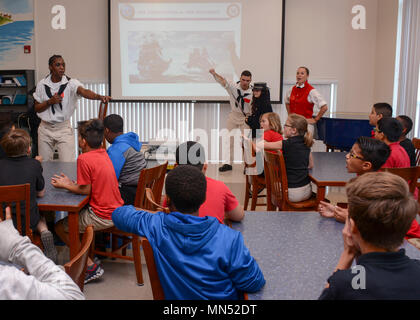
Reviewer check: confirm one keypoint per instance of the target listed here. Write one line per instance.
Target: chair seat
(310, 204)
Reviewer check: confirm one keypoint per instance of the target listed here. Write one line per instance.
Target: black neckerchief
(60, 91)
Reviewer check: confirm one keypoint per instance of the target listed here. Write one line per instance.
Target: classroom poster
(16, 32)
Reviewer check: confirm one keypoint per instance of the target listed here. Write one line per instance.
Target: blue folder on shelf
(20, 99)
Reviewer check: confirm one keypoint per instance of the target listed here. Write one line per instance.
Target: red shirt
(272, 136)
(219, 199)
(414, 231)
(398, 157)
(95, 168)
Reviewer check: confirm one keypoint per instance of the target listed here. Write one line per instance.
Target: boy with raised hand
(95, 176)
(381, 210)
(196, 257)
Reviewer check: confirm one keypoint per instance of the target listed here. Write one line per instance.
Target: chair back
(152, 178)
(103, 108)
(411, 175)
(249, 156)
(416, 143)
(15, 194)
(152, 203)
(76, 268)
(157, 289)
(277, 178)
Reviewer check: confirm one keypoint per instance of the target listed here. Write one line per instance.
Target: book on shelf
(20, 81)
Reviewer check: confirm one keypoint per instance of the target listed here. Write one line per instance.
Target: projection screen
(164, 50)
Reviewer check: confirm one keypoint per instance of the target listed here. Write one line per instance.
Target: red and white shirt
(307, 103)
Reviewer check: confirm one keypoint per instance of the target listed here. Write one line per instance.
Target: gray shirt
(134, 163)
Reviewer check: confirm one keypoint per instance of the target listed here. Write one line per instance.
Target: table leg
(320, 194)
(74, 238)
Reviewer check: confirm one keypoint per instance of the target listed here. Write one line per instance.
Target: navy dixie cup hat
(260, 86)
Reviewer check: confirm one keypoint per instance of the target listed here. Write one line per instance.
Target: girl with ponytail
(297, 156)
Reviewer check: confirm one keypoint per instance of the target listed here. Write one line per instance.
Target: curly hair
(186, 188)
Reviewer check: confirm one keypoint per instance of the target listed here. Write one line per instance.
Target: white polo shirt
(69, 101)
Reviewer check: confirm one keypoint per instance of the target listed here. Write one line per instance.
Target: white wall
(319, 35)
(84, 42)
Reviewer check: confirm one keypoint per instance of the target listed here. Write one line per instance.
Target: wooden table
(63, 200)
(329, 171)
(296, 251)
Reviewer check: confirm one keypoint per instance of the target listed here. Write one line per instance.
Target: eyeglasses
(287, 125)
(352, 155)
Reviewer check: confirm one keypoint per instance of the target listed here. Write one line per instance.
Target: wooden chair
(279, 186)
(157, 289)
(152, 178)
(15, 194)
(416, 143)
(152, 203)
(103, 108)
(254, 183)
(76, 268)
(411, 175)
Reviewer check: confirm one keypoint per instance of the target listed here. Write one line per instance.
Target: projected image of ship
(151, 64)
(178, 56)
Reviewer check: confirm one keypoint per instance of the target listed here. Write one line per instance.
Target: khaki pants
(300, 194)
(234, 142)
(87, 217)
(58, 136)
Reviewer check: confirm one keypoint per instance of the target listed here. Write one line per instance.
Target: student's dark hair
(246, 73)
(5, 127)
(186, 187)
(382, 208)
(191, 153)
(263, 102)
(114, 123)
(16, 143)
(406, 122)
(391, 128)
(374, 151)
(52, 59)
(306, 69)
(383, 108)
(92, 131)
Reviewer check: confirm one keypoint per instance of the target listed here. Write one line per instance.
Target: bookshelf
(15, 86)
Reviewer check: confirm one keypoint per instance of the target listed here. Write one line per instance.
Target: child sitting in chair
(381, 210)
(196, 257)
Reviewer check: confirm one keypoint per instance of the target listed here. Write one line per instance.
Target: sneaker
(93, 272)
(225, 167)
(47, 240)
(96, 260)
